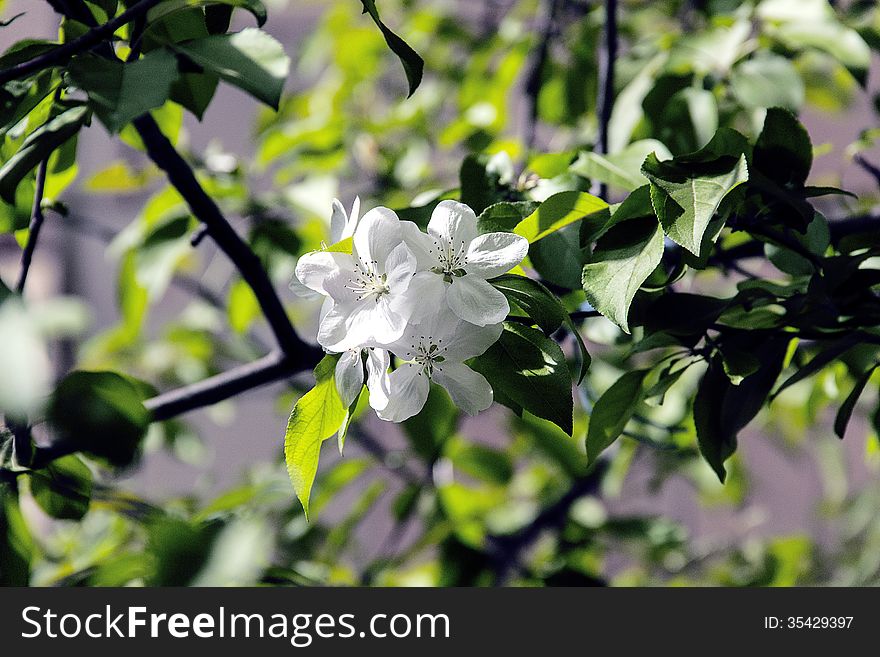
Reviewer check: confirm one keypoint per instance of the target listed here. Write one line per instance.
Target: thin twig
(535, 69)
(36, 224)
(63, 53)
(607, 60)
(507, 550)
(203, 207)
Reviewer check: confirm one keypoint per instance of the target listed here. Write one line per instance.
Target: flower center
(452, 259)
(426, 354)
(366, 282)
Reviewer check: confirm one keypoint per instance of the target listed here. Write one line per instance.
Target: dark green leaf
(825, 357)
(722, 409)
(783, 151)
(171, 6)
(429, 429)
(613, 410)
(529, 368)
(194, 91)
(16, 544)
(251, 60)
(63, 489)
(849, 404)
(623, 259)
(412, 63)
(687, 190)
(504, 216)
(38, 146)
(100, 413)
(539, 303)
(118, 92)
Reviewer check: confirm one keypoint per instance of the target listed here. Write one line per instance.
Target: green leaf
(38, 146)
(63, 489)
(557, 212)
(783, 151)
(559, 257)
(504, 216)
(492, 465)
(251, 60)
(19, 97)
(119, 92)
(621, 170)
(171, 6)
(194, 91)
(768, 80)
(846, 409)
(242, 307)
(539, 303)
(16, 543)
(100, 413)
(623, 259)
(687, 190)
(316, 417)
(413, 64)
(825, 357)
(429, 429)
(722, 409)
(528, 368)
(613, 410)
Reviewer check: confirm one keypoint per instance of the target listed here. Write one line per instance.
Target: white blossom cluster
(422, 297)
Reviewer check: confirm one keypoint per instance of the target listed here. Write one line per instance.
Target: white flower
(350, 376)
(342, 226)
(367, 288)
(435, 350)
(454, 263)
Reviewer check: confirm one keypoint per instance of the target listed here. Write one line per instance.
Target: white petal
(493, 254)
(468, 341)
(469, 390)
(408, 387)
(313, 269)
(400, 266)
(349, 376)
(378, 232)
(453, 222)
(338, 220)
(373, 323)
(425, 295)
(421, 245)
(333, 329)
(378, 361)
(351, 224)
(476, 301)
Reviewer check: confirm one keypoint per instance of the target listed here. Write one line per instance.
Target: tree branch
(62, 54)
(36, 224)
(536, 67)
(507, 550)
(181, 176)
(607, 59)
(269, 369)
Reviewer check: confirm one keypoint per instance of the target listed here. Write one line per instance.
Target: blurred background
(799, 506)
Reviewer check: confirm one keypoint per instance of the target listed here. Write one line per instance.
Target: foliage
(723, 284)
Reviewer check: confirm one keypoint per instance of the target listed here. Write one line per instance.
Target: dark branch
(535, 69)
(36, 224)
(607, 59)
(62, 54)
(269, 369)
(507, 550)
(205, 210)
